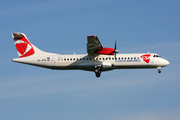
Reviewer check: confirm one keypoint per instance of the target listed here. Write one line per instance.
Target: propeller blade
(115, 50)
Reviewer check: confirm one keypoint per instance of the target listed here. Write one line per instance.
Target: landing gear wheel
(98, 71)
(159, 69)
(98, 74)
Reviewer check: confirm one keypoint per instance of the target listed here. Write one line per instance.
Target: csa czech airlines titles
(98, 59)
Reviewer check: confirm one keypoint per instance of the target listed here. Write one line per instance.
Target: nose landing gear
(159, 69)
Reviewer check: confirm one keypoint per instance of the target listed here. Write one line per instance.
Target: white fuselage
(98, 59)
(88, 63)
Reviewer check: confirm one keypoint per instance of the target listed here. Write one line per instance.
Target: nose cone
(166, 62)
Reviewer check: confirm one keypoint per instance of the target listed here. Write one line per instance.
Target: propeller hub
(116, 51)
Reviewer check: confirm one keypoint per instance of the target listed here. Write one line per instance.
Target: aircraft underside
(87, 66)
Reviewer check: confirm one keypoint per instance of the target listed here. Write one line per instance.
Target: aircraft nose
(166, 62)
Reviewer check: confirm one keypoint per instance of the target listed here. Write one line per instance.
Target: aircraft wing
(93, 44)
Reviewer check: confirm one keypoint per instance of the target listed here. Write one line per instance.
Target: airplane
(98, 58)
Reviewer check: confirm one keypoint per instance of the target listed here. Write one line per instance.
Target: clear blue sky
(138, 26)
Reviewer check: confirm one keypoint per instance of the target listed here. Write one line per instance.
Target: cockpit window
(156, 56)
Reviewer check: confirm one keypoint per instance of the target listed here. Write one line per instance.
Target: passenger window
(74, 59)
(134, 57)
(112, 58)
(109, 58)
(99, 58)
(64, 59)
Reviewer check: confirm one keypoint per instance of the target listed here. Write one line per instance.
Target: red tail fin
(23, 46)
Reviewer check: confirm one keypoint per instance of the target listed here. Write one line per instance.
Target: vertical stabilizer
(25, 48)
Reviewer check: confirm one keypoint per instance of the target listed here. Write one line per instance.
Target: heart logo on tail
(24, 47)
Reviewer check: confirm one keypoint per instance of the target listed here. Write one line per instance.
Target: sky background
(62, 26)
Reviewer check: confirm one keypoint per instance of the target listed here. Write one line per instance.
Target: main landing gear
(159, 69)
(98, 71)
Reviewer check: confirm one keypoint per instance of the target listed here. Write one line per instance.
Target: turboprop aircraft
(98, 58)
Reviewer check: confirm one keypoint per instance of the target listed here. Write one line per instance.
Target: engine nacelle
(106, 51)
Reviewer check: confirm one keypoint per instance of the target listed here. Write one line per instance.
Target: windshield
(156, 56)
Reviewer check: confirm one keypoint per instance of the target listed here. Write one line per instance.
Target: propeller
(115, 51)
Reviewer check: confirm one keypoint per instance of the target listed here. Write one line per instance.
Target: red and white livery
(98, 59)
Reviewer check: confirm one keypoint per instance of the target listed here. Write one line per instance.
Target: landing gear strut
(97, 71)
(159, 69)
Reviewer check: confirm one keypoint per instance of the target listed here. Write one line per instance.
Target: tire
(98, 74)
